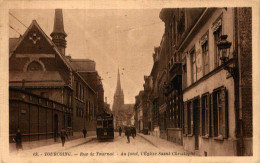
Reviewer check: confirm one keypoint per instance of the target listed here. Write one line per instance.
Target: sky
(115, 39)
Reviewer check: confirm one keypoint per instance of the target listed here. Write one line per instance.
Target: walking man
(84, 132)
(128, 133)
(62, 136)
(18, 140)
(120, 130)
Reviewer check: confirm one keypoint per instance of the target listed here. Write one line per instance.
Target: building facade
(202, 80)
(58, 96)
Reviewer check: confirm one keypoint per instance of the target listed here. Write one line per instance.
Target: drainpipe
(237, 87)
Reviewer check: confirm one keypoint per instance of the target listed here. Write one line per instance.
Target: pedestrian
(18, 140)
(128, 133)
(63, 133)
(134, 131)
(84, 132)
(120, 130)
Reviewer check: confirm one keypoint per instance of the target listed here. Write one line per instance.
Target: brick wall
(245, 38)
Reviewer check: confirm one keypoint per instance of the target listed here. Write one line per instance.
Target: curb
(147, 140)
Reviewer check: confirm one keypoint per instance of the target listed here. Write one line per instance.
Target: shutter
(191, 118)
(201, 116)
(224, 103)
(208, 110)
(185, 118)
(211, 115)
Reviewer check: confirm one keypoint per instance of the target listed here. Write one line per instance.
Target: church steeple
(58, 35)
(118, 85)
(119, 95)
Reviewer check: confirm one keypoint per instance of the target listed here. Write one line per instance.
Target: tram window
(110, 123)
(104, 124)
(99, 123)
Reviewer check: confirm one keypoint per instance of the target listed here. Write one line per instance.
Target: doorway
(55, 127)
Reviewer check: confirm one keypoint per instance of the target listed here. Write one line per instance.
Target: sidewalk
(48, 142)
(163, 144)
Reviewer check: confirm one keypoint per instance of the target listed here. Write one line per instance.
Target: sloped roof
(86, 65)
(12, 43)
(41, 78)
(32, 76)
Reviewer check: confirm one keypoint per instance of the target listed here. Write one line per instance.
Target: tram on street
(105, 126)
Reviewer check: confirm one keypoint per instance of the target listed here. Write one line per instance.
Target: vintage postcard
(129, 81)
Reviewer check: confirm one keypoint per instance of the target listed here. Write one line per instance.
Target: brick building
(53, 93)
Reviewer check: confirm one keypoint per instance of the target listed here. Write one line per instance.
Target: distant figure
(63, 133)
(84, 132)
(120, 130)
(18, 140)
(128, 133)
(133, 132)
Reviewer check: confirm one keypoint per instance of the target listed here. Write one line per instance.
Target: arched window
(34, 66)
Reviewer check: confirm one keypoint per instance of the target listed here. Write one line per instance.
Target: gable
(34, 42)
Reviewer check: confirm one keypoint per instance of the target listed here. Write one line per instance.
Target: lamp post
(224, 50)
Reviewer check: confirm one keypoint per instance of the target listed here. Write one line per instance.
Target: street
(141, 145)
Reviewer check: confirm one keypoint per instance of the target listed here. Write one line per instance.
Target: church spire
(118, 85)
(58, 35)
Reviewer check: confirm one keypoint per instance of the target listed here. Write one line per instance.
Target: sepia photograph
(129, 84)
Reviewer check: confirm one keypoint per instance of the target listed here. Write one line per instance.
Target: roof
(32, 76)
(41, 78)
(83, 64)
(12, 43)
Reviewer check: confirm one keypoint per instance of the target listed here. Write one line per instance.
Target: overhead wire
(18, 20)
(15, 30)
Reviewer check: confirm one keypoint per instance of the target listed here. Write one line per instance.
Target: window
(217, 29)
(99, 124)
(87, 111)
(205, 115)
(193, 66)
(45, 94)
(219, 113)
(189, 113)
(77, 89)
(79, 92)
(83, 93)
(69, 121)
(184, 68)
(181, 22)
(34, 66)
(205, 53)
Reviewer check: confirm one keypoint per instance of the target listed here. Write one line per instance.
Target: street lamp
(224, 50)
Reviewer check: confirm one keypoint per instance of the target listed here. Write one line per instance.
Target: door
(196, 123)
(55, 127)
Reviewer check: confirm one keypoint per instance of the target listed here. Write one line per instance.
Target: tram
(105, 127)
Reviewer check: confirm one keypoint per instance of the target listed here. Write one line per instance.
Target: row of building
(199, 91)
(48, 90)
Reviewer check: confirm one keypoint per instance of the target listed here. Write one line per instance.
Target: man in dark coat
(133, 131)
(84, 132)
(120, 130)
(62, 136)
(128, 133)
(18, 140)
